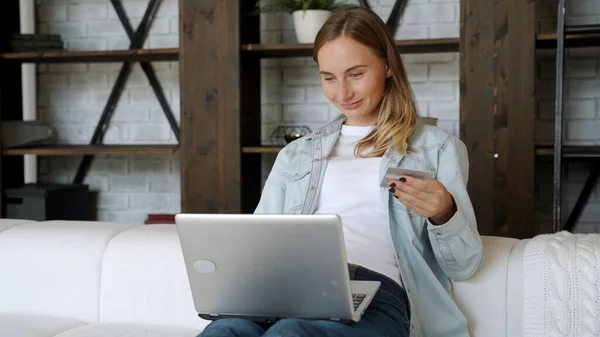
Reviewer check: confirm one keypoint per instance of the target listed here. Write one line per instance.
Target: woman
(413, 235)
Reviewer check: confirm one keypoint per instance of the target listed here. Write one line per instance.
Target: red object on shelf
(160, 219)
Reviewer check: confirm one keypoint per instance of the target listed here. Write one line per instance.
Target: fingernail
(403, 179)
(392, 190)
(393, 185)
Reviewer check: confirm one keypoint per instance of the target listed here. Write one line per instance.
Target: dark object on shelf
(287, 133)
(35, 37)
(160, 219)
(20, 133)
(35, 42)
(41, 202)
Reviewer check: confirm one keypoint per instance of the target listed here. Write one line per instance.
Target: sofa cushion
(54, 267)
(28, 325)
(129, 330)
(144, 279)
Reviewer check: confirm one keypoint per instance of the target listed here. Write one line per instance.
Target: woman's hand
(428, 198)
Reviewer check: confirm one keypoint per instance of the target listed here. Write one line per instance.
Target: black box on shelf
(43, 202)
(35, 42)
(23, 133)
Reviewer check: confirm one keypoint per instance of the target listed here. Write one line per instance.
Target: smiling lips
(352, 106)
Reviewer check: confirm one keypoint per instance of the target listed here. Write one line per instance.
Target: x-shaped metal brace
(137, 39)
(394, 18)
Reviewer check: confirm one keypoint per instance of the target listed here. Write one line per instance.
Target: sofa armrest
(483, 297)
(514, 290)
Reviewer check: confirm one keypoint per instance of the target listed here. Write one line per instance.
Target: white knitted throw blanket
(562, 285)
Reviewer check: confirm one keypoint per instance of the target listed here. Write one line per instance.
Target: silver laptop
(268, 267)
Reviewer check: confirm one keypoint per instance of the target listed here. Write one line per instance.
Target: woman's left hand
(428, 198)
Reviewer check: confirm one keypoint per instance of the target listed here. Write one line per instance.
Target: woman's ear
(388, 71)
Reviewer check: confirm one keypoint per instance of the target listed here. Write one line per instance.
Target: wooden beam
(497, 63)
(305, 49)
(168, 54)
(86, 149)
(209, 61)
(520, 128)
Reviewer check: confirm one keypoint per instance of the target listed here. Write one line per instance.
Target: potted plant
(308, 15)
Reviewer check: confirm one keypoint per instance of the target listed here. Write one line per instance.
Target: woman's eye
(328, 79)
(356, 75)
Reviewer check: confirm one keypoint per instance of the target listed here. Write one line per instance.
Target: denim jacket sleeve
(457, 244)
(272, 199)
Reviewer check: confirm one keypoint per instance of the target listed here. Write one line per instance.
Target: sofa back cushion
(53, 268)
(9, 223)
(144, 279)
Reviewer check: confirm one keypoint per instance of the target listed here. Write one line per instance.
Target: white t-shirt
(351, 190)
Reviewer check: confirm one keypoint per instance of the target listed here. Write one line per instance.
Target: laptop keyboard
(357, 299)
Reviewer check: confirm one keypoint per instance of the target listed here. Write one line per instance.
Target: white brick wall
(72, 98)
(581, 113)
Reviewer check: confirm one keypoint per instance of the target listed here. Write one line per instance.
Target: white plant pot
(307, 23)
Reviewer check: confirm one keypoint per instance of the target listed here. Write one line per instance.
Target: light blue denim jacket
(429, 257)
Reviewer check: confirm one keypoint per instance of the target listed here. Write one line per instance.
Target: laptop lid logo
(205, 266)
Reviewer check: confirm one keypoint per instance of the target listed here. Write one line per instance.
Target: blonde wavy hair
(397, 115)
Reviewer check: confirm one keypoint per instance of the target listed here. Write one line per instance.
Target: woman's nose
(345, 91)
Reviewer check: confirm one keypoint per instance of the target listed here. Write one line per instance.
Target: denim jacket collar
(330, 132)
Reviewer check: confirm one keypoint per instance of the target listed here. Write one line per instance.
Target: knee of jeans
(289, 324)
(232, 327)
(236, 323)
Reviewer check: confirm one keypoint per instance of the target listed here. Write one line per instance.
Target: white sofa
(70, 279)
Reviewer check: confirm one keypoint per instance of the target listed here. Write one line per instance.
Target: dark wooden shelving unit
(304, 50)
(262, 149)
(104, 149)
(586, 151)
(11, 160)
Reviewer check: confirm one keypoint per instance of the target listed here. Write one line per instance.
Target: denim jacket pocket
(296, 175)
(296, 189)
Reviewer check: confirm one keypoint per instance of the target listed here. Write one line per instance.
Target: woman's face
(353, 79)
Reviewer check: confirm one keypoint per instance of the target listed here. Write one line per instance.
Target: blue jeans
(388, 315)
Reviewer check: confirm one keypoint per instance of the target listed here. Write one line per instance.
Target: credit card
(394, 173)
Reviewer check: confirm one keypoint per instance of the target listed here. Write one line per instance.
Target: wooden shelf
(78, 150)
(303, 50)
(541, 150)
(167, 54)
(548, 40)
(262, 149)
(570, 151)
